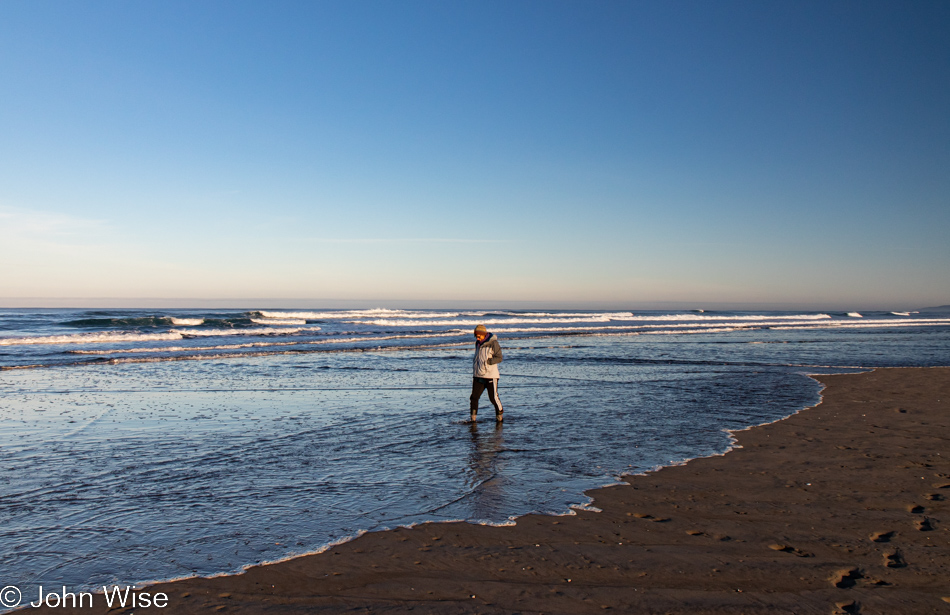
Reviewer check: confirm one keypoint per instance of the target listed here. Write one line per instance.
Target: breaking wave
(91, 338)
(104, 337)
(594, 318)
(350, 314)
(409, 318)
(187, 322)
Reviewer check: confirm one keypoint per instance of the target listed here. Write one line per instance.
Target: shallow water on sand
(143, 471)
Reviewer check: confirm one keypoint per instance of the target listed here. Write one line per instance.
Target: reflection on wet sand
(487, 477)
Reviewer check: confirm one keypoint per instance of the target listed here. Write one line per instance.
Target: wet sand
(840, 508)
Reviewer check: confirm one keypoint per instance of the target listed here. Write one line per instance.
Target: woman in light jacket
(485, 371)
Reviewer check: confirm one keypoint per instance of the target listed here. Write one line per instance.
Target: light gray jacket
(487, 357)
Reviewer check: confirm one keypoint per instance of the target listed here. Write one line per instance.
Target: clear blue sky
(614, 153)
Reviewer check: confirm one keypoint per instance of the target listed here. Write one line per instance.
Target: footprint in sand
(933, 497)
(924, 525)
(915, 508)
(894, 559)
(790, 549)
(846, 606)
(846, 577)
(881, 536)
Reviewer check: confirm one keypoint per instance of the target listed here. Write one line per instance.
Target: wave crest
(126, 336)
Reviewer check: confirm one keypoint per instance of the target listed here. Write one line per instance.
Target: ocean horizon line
(252, 303)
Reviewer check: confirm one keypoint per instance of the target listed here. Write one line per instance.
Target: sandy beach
(839, 508)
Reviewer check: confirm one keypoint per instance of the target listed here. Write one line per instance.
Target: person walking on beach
(485, 368)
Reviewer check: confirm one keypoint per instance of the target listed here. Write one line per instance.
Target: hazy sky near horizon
(792, 153)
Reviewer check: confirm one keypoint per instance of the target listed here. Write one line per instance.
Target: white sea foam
(685, 328)
(618, 328)
(593, 318)
(106, 337)
(613, 315)
(155, 349)
(278, 321)
(351, 314)
(258, 331)
(472, 323)
(923, 322)
(750, 324)
(712, 317)
(694, 327)
(586, 507)
(264, 353)
(91, 338)
(901, 313)
(512, 521)
(268, 344)
(855, 315)
(716, 329)
(187, 322)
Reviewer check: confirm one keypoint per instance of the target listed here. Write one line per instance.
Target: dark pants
(479, 385)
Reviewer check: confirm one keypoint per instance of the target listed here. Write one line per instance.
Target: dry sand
(840, 508)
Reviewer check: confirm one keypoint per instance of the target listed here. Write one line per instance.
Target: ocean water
(149, 445)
